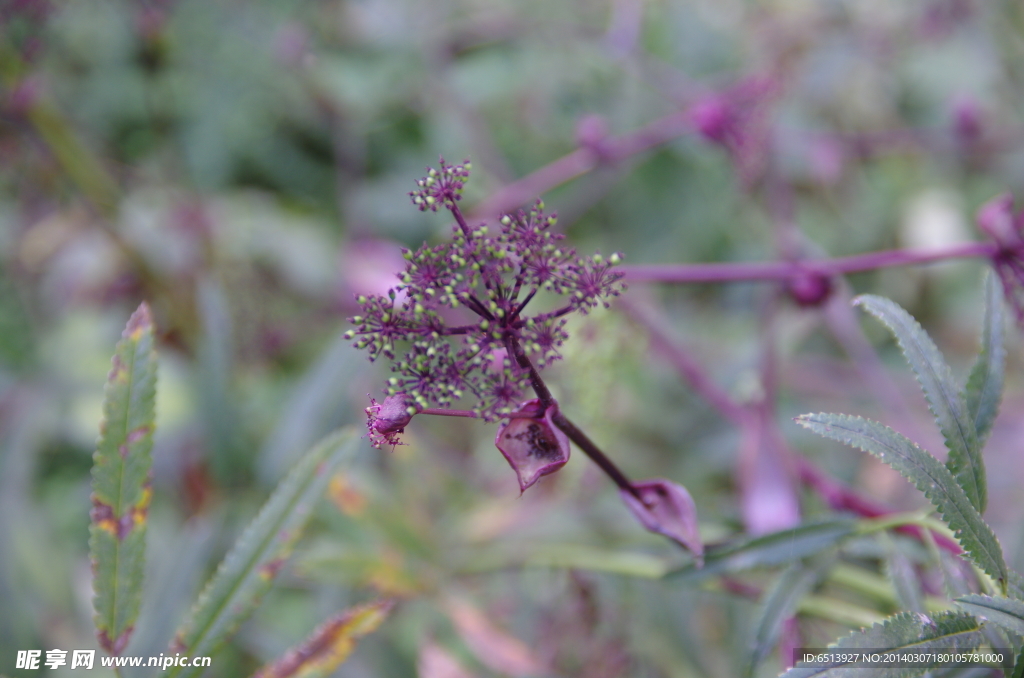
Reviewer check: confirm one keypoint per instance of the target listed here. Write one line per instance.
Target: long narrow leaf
(779, 604)
(121, 484)
(928, 474)
(942, 392)
(984, 387)
(1007, 612)
(249, 568)
(329, 645)
(903, 632)
(767, 550)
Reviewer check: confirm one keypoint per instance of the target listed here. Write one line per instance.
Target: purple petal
(532, 444)
(667, 508)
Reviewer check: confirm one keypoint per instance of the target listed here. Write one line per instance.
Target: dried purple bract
(668, 509)
(532, 444)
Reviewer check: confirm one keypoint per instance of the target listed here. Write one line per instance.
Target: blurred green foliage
(244, 167)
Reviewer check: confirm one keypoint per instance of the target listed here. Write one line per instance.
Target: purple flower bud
(532, 444)
(996, 219)
(809, 289)
(386, 420)
(667, 508)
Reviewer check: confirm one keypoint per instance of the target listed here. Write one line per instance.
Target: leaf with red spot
(330, 644)
(251, 566)
(121, 483)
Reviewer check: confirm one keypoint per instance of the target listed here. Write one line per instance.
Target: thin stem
(595, 454)
(687, 365)
(522, 305)
(453, 207)
(515, 349)
(786, 270)
(443, 412)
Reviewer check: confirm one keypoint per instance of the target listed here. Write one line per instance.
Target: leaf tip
(140, 322)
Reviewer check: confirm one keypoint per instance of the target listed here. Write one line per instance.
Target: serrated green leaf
(248, 570)
(928, 474)
(767, 550)
(121, 484)
(943, 394)
(906, 631)
(1007, 612)
(779, 604)
(984, 387)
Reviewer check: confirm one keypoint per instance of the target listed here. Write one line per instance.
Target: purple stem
(581, 161)
(785, 270)
(688, 366)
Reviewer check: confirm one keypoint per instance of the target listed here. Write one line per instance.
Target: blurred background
(244, 167)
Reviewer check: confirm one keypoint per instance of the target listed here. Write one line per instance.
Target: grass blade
(1007, 612)
(329, 645)
(121, 484)
(906, 631)
(942, 393)
(928, 474)
(779, 604)
(249, 568)
(767, 550)
(984, 387)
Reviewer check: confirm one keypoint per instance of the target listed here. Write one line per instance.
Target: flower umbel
(449, 325)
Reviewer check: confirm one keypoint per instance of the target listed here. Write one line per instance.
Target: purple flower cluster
(454, 324)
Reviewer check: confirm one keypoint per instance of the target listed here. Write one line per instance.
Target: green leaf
(778, 605)
(942, 392)
(902, 576)
(121, 484)
(1018, 667)
(905, 631)
(928, 475)
(248, 570)
(1007, 612)
(767, 550)
(984, 387)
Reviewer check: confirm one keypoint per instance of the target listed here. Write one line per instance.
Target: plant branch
(787, 270)
(595, 454)
(687, 365)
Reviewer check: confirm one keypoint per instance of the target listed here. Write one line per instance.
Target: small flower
(668, 509)
(737, 119)
(532, 444)
(997, 220)
(441, 187)
(386, 420)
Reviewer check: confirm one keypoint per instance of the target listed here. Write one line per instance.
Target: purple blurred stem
(837, 495)
(843, 498)
(785, 270)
